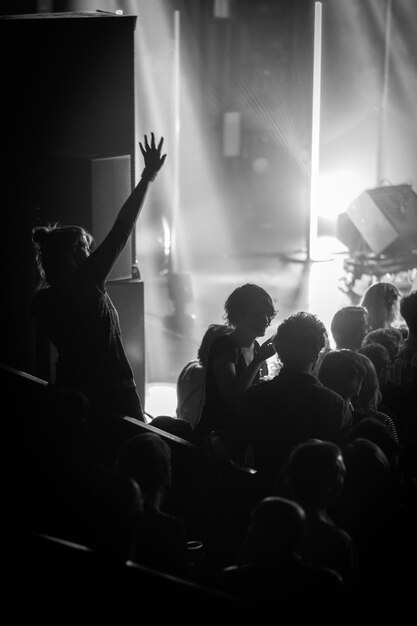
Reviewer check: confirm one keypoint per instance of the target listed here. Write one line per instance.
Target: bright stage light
(336, 191)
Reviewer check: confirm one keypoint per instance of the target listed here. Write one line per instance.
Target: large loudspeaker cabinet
(88, 192)
(386, 218)
(68, 88)
(128, 298)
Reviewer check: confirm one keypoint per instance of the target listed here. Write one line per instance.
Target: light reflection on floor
(161, 399)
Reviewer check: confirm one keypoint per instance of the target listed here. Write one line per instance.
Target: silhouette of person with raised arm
(74, 309)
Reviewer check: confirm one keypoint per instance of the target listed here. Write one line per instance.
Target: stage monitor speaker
(349, 235)
(88, 191)
(128, 298)
(386, 218)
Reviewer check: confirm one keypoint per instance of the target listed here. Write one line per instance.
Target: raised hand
(152, 156)
(154, 160)
(266, 350)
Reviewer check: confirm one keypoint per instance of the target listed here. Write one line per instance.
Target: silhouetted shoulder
(223, 345)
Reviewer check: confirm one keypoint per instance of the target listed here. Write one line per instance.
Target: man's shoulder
(326, 391)
(329, 396)
(261, 391)
(302, 382)
(296, 382)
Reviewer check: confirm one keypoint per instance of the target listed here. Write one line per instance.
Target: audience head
(382, 301)
(250, 308)
(342, 371)
(368, 472)
(349, 326)
(390, 338)
(379, 356)
(60, 249)
(299, 340)
(408, 310)
(314, 473)
(212, 332)
(147, 459)
(369, 395)
(277, 528)
(376, 431)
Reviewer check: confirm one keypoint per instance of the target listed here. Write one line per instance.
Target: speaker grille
(386, 218)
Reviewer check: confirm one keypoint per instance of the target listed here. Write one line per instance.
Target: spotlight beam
(315, 138)
(177, 130)
(384, 99)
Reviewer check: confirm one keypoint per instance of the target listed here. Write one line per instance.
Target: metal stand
(375, 267)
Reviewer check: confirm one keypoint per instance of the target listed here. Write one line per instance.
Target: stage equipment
(386, 218)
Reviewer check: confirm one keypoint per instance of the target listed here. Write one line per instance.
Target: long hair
(380, 300)
(369, 395)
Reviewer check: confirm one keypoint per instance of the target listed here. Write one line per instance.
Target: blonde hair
(380, 300)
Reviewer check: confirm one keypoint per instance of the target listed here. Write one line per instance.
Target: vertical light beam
(315, 138)
(380, 176)
(177, 120)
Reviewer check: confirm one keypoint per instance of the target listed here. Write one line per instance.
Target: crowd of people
(332, 435)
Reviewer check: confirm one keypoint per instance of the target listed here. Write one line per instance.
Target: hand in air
(266, 350)
(152, 155)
